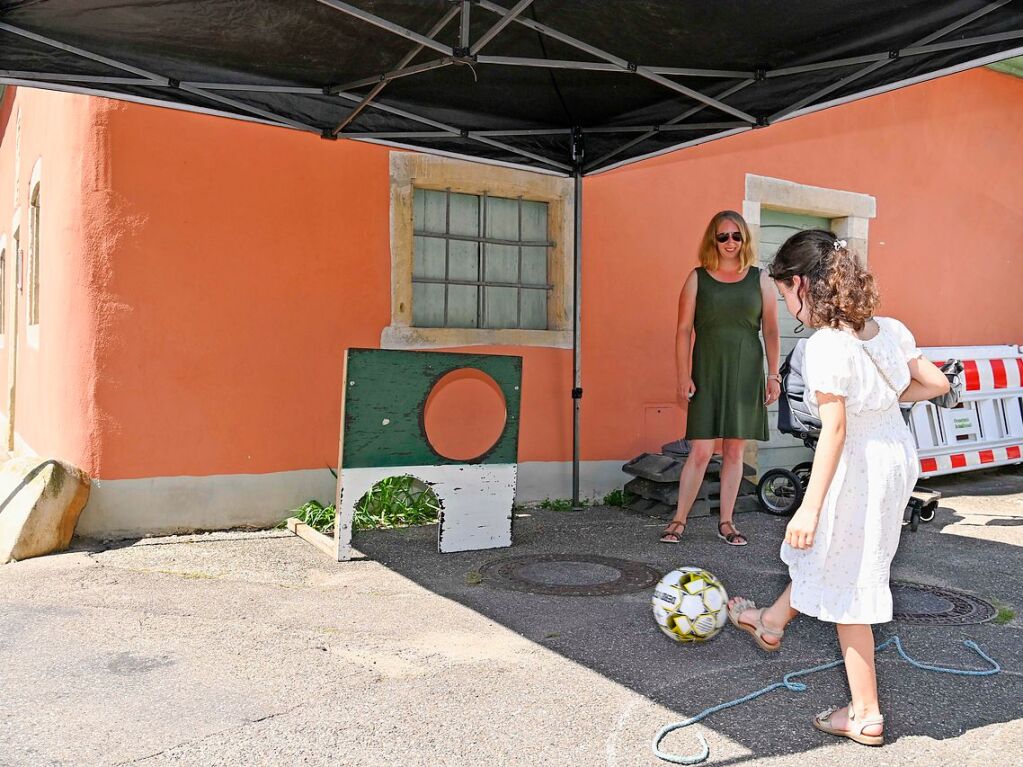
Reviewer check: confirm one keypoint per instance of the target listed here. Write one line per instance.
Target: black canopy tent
(572, 87)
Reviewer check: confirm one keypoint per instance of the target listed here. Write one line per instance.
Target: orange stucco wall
(943, 161)
(55, 406)
(207, 274)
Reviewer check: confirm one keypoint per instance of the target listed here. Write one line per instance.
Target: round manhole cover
(934, 606)
(571, 575)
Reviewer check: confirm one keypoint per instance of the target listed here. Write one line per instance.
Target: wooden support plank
(309, 535)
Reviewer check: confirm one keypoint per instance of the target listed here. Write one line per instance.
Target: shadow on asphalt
(616, 636)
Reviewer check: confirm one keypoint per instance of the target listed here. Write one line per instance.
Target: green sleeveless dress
(728, 360)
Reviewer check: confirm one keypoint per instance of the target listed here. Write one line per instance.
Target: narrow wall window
(33, 258)
(479, 261)
(3, 289)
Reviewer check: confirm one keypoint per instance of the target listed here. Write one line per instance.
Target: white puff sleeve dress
(843, 577)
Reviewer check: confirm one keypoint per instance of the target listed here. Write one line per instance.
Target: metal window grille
(479, 261)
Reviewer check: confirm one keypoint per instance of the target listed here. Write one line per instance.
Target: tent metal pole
(688, 113)
(80, 52)
(967, 43)
(687, 72)
(902, 53)
(159, 80)
(62, 78)
(600, 66)
(390, 26)
(495, 30)
(666, 127)
(518, 61)
(394, 74)
(297, 90)
(948, 28)
(672, 148)
(577, 291)
(458, 133)
(405, 61)
(445, 134)
(463, 25)
(888, 87)
(627, 66)
(834, 64)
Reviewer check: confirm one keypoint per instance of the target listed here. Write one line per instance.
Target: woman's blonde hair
(709, 244)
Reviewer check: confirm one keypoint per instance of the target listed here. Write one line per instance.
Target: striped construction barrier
(986, 429)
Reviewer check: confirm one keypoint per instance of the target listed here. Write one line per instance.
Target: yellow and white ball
(690, 605)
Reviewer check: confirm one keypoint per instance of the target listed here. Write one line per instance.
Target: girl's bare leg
(857, 641)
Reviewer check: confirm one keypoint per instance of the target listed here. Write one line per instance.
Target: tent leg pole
(577, 391)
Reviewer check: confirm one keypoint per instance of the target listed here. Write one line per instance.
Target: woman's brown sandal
(673, 532)
(855, 731)
(734, 538)
(757, 629)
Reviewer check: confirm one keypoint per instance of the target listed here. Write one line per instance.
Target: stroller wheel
(927, 512)
(780, 492)
(802, 470)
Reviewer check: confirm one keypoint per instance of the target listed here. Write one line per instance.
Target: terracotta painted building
(178, 290)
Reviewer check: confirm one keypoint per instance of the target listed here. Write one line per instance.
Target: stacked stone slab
(655, 484)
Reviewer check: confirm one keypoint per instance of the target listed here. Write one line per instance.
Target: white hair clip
(840, 244)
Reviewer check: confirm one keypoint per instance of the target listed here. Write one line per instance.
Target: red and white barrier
(986, 429)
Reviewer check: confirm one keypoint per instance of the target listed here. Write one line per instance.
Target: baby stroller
(780, 490)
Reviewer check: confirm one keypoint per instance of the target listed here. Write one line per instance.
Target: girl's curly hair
(839, 290)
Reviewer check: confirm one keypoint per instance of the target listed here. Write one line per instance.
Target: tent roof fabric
(545, 84)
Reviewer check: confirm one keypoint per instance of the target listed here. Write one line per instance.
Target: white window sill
(32, 333)
(404, 337)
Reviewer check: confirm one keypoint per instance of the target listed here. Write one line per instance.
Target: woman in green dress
(726, 302)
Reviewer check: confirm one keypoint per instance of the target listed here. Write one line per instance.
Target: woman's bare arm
(684, 340)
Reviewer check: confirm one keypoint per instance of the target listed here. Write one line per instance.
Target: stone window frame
(411, 170)
(849, 213)
(4, 302)
(33, 267)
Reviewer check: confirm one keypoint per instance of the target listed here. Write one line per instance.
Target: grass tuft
(392, 502)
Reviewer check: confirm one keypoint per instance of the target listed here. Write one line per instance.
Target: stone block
(40, 502)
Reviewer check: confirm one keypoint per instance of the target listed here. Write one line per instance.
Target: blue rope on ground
(788, 682)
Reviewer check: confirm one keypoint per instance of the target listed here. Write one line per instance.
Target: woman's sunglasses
(723, 236)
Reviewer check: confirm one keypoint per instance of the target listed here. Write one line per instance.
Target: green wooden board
(385, 385)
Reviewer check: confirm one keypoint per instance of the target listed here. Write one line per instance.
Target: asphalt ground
(252, 648)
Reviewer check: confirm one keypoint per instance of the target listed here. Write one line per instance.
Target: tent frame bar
(98, 79)
(495, 30)
(405, 61)
(553, 131)
(947, 29)
(394, 74)
(155, 80)
(390, 26)
(627, 66)
(674, 121)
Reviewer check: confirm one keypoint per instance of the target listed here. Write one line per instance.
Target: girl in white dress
(840, 543)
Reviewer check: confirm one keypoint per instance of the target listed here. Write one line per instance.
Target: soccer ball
(690, 605)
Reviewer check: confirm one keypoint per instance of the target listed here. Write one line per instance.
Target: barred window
(33, 258)
(479, 261)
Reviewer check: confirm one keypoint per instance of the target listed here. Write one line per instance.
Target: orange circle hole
(464, 415)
